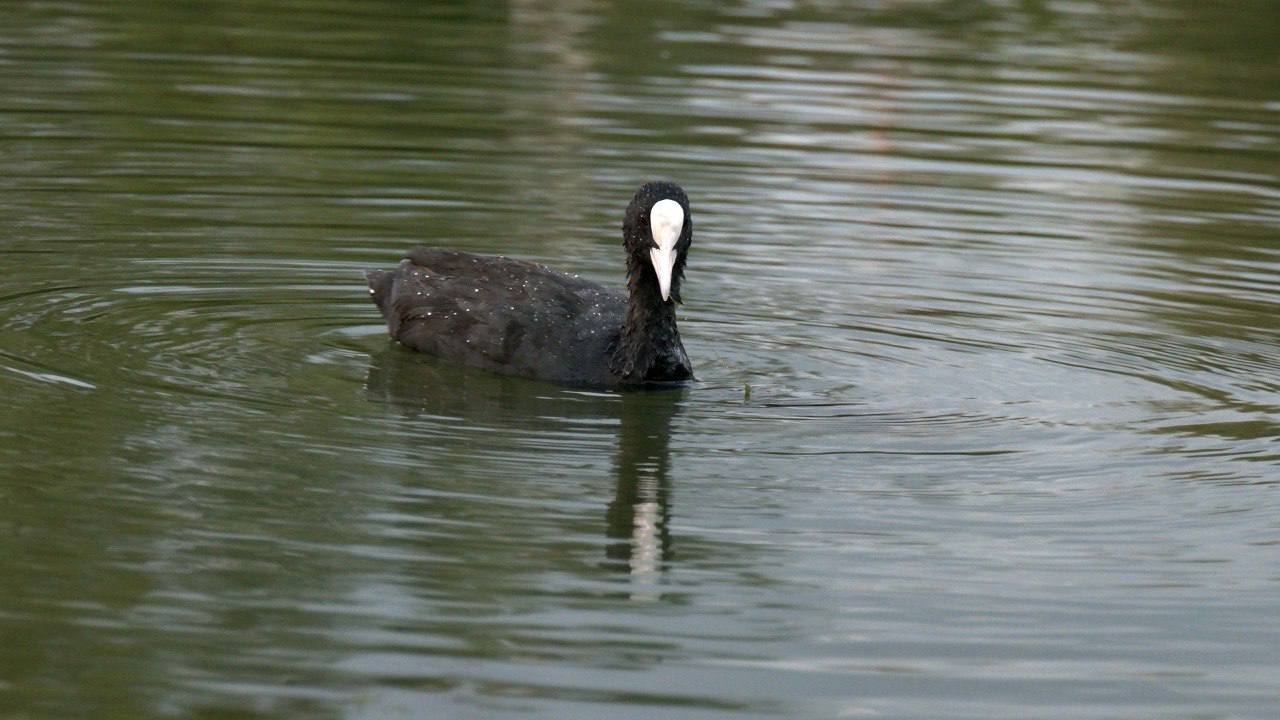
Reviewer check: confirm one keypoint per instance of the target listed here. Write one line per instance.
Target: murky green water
(1003, 280)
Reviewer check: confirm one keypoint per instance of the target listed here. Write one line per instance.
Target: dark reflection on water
(638, 516)
(1001, 278)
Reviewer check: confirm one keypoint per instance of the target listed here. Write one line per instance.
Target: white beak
(666, 220)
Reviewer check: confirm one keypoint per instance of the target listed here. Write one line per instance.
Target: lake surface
(983, 300)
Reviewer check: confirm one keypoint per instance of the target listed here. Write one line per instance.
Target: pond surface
(984, 303)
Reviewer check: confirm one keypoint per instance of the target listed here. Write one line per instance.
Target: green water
(1003, 280)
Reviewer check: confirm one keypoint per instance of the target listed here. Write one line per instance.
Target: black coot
(521, 318)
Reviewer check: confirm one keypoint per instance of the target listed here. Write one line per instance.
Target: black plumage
(521, 318)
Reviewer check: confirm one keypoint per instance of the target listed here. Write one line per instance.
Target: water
(982, 299)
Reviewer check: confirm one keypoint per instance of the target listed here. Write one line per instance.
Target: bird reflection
(637, 521)
(637, 527)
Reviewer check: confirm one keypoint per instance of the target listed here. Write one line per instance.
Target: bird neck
(649, 332)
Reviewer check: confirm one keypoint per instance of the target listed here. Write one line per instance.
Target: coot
(522, 318)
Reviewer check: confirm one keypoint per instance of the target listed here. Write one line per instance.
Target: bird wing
(502, 314)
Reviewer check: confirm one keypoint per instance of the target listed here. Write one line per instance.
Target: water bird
(521, 318)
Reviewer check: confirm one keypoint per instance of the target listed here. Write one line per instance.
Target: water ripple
(981, 302)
